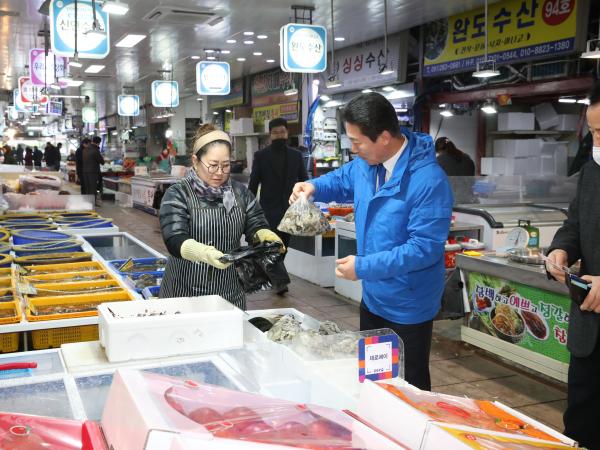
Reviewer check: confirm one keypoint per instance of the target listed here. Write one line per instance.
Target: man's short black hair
(278, 122)
(85, 141)
(96, 139)
(373, 114)
(595, 94)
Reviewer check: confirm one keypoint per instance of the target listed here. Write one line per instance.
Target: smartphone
(578, 288)
(579, 282)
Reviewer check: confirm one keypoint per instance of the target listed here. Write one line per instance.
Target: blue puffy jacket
(400, 230)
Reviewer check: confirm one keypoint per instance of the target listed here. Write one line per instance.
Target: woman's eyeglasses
(213, 168)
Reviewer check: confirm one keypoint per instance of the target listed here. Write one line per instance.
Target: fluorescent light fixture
(134, 127)
(367, 91)
(199, 99)
(195, 57)
(486, 69)
(231, 41)
(241, 59)
(584, 101)
(248, 33)
(75, 83)
(75, 62)
(215, 113)
(325, 98)
(442, 105)
(262, 36)
(333, 84)
(489, 107)
(388, 88)
(446, 113)
(589, 53)
(94, 68)
(257, 53)
(115, 7)
(290, 92)
(66, 96)
(114, 133)
(211, 58)
(226, 52)
(340, 38)
(249, 42)
(332, 104)
(130, 40)
(567, 100)
(270, 61)
(228, 111)
(398, 94)
(402, 109)
(209, 50)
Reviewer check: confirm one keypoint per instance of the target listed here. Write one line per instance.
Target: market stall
(147, 191)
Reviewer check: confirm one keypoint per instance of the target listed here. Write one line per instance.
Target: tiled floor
(456, 368)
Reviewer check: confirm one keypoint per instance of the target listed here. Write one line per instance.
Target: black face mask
(279, 144)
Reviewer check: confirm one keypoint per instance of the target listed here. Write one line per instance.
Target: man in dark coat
(277, 168)
(92, 160)
(79, 162)
(578, 238)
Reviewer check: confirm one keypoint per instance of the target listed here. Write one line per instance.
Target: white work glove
(193, 250)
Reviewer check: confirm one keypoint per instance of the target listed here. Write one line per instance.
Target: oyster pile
(285, 329)
(303, 218)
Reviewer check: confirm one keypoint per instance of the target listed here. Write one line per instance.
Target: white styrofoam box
(414, 424)
(169, 327)
(520, 166)
(246, 125)
(545, 115)
(123, 200)
(517, 148)
(493, 166)
(567, 122)
(516, 121)
(548, 165)
(534, 165)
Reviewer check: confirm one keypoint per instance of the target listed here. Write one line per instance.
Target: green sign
(525, 316)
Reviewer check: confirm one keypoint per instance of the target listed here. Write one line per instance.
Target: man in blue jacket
(403, 205)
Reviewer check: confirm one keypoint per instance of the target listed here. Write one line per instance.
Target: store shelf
(533, 132)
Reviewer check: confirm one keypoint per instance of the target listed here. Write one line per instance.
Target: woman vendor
(204, 215)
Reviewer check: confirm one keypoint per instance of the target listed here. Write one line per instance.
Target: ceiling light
(248, 33)
(486, 69)
(75, 62)
(257, 53)
(115, 7)
(199, 99)
(195, 57)
(75, 83)
(333, 103)
(134, 127)
(325, 98)
(388, 88)
(270, 60)
(367, 91)
(333, 84)
(211, 58)
(567, 100)
(446, 113)
(290, 92)
(340, 38)
(249, 42)
(231, 41)
(130, 40)
(398, 94)
(228, 111)
(55, 86)
(584, 101)
(209, 50)
(94, 68)
(589, 53)
(402, 109)
(215, 113)
(66, 96)
(241, 59)
(226, 52)
(489, 107)
(262, 36)
(65, 79)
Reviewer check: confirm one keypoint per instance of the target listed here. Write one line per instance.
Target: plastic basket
(64, 267)
(29, 226)
(5, 260)
(55, 337)
(131, 278)
(74, 215)
(74, 288)
(5, 248)
(150, 292)
(23, 216)
(13, 307)
(94, 223)
(138, 261)
(47, 248)
(54, 258)
(21, 237)
(4, 235)
(9, 342)
(92, 275)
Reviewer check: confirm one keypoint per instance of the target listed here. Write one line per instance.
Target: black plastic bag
(256, 266)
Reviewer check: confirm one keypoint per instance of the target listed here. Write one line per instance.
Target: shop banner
(46, 69)
(62, 29)
(268, 88)
(234, 98)
(525, 316)
(213, 78)
(517, 30)
(303, 48)
(360, 66)
(263, 114)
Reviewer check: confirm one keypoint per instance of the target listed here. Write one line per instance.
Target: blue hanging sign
(165, 94)
(18, 102)
(94, 45)
(304, 48)
(129, 105)
(213, 78)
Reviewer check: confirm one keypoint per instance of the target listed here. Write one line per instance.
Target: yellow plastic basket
(12, 308)
(57, 258)
(4, 235)
(91, 275)
(9, 342)
(55, 337)
(75, 288)
(64, 267)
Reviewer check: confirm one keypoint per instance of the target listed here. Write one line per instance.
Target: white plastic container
(516, 121)
(169, 327)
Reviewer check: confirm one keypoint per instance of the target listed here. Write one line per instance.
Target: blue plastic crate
(21, 237)
(150, 292)
(119, 262)
(130, 279)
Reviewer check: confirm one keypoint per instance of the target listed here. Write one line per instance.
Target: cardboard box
(545, 115)
(516, 121)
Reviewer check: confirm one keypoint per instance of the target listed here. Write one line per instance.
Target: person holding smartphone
(579, 238)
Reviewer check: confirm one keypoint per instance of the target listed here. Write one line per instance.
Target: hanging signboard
(89, 115)
(13, 112)
(129, 105)
(360, 66)
(17, 102)
(54, 108)
(31, 93)
(517, 30)
(165, 94)
(62, 29)
(213, 78)
(45, 70)
(303, 48)
(268, 88)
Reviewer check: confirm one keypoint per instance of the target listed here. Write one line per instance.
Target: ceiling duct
(181, 15)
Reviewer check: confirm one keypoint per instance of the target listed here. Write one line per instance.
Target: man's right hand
(556, 259)
(302, 190)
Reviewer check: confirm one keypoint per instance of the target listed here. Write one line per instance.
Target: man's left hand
(592, 301)
(345, 268)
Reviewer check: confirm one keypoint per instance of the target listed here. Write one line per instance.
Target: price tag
(378, 357)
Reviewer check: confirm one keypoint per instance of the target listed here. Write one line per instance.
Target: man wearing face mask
(579, 238)
(277, 168)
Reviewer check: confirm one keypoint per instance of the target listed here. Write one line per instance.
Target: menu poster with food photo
(529, 317)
